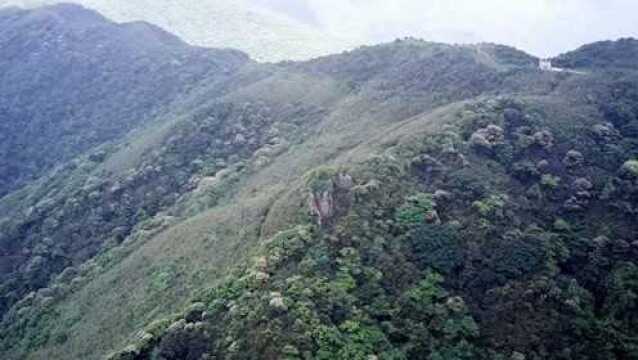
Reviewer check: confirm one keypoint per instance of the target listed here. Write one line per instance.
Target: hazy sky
(318, 27)
(542, 27)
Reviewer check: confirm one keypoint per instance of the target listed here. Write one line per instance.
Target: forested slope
(409, 200)
(72, 80)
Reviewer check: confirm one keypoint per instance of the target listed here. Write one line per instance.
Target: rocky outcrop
(322, 205)
(325, 193)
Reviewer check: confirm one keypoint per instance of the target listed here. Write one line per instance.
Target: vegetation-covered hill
(602, 55)
(405, 201)
(72, 80)
(239, 24)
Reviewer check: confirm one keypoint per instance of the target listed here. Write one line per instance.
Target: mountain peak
(73, 55)
(264, 34)
(610, 54)
(70, 13)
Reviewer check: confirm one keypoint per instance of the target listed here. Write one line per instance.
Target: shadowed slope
(73, 80)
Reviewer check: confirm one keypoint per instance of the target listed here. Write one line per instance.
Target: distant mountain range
(265, 35)
(128, 72)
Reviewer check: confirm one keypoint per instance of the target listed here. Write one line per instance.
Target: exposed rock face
(322, 205)
(432, 217)
(322, 202)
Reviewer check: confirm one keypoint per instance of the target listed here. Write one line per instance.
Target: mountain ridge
(350, 206)
(86, 57)
(221, 24)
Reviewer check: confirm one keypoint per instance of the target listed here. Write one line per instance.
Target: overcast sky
(541, 27)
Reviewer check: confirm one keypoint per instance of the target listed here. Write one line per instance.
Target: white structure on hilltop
(545, 64)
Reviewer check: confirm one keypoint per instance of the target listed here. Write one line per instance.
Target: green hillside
(410, 200)
(72, 80)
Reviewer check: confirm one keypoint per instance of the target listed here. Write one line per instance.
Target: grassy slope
(205, 247)
(197, 251)
(202, 249)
